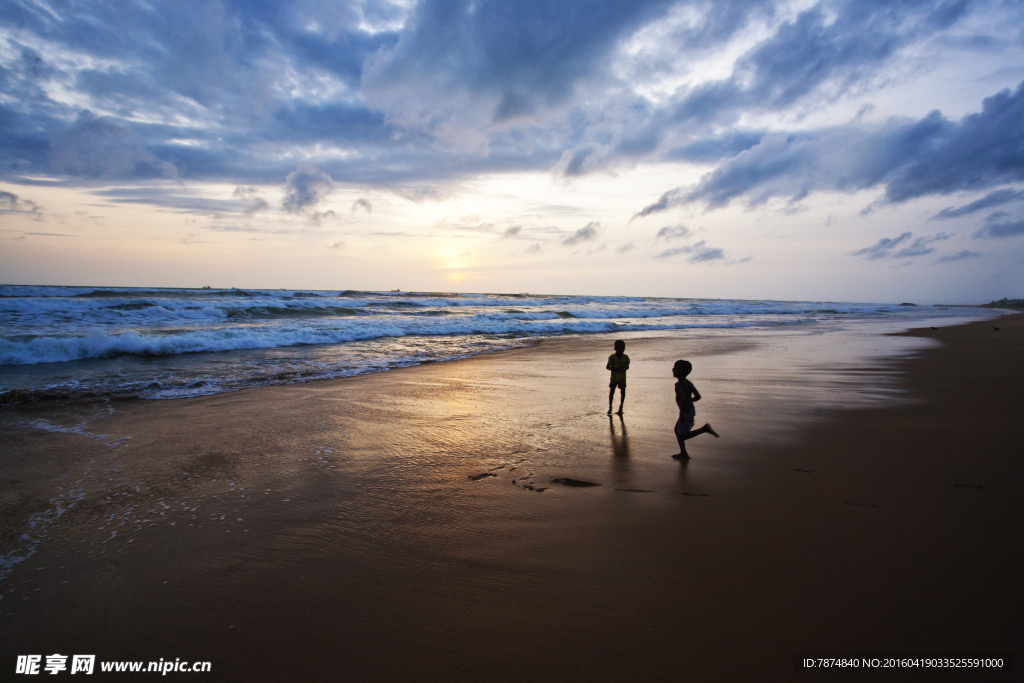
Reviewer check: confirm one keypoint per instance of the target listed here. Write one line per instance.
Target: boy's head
(682, 368)
(620, 346)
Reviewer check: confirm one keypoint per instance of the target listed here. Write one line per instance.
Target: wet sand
(408, 525)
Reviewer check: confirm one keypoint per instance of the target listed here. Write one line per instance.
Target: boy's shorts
(617, 383)
(685, 422)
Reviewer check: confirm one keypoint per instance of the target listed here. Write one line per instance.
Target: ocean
(156, 343)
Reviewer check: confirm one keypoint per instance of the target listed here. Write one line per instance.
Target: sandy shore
(405, 526)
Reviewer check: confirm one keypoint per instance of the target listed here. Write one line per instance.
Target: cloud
(997, 198)
(177, 198)
(958, 256)
(625, 247)
(11, 203)
(584, 234)
(910, 158)
(460, 67)
(883, 248)
(318, 217)
(715, 147)
(251, 201)
(471, 223)
(672, 232)
(511, 231)
(337, 245)
(886, 247)
(534, 248)
(362, 203)
(102, 147)
(304, 188)
(412, 96)
(998, 230)
(920, 246)
(699, 252)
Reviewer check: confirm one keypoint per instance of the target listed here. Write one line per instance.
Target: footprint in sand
(484, 475)
(800, 470)
(566, 481)
(524, 483)
(693, 495)
(637, 490)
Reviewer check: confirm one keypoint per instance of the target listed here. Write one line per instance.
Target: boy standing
(618, 363)
(686, 394)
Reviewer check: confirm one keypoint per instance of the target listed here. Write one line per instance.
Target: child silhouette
(618, 363)
(686, 395)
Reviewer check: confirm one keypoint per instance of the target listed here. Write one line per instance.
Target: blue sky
(866, 151)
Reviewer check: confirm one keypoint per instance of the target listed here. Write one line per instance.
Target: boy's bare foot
(619, 411)
(711, 431)
(609, 411)
(681, 456)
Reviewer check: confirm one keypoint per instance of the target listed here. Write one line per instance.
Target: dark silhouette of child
(618, 363)
(686, 395)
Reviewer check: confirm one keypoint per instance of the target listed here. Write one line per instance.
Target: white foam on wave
(174, 329)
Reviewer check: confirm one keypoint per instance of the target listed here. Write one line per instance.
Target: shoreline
(425, 548)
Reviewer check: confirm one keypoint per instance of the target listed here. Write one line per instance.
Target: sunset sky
(852, 151)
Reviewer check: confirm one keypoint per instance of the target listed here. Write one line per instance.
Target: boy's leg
(622, 398)
(611, 398)
(682, 454)
(706, 429)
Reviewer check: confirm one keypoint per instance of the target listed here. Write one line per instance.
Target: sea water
(70, 342)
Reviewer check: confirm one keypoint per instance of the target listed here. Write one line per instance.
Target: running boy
(686, 394)
(618, 363)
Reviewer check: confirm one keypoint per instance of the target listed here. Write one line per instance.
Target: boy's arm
(609, 365)
(694, 392)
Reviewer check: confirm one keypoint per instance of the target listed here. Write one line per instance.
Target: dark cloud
(255, 205)
(883, 248)
(910, 158)
(11, 203)
(1000, 230)
(512, 231)
(997, 198)
(362, 204)
(716, 147)
(304, 188)
(534, 248)
(101, 147)
(834, 43)
(509, 60)
(672, 232)
(625, 247)
(699, 252)
(921, 246)
(381, 93)
(958, 256)
(584, 234)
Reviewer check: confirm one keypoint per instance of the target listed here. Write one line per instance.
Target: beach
(484, 519)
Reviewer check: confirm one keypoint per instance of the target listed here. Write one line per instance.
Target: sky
(752, 149)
